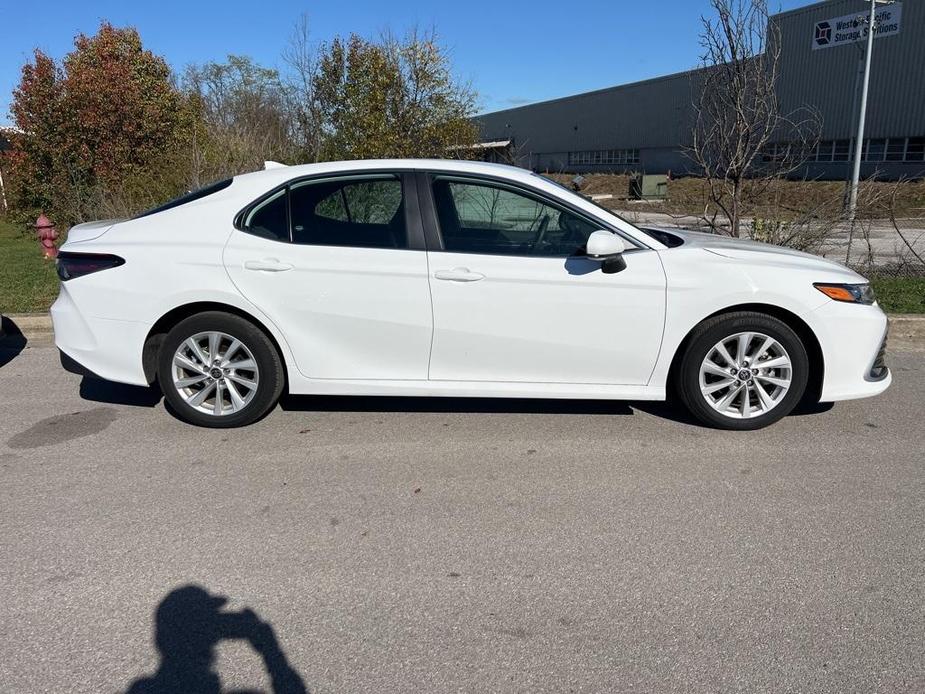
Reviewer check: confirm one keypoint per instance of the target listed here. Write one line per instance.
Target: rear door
(515, 300)
(339, 265)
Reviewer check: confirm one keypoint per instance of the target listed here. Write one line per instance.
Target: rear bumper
(102, 347)
(71, 365)
(853, 342)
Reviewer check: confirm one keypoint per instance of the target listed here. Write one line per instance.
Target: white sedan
(448, 278)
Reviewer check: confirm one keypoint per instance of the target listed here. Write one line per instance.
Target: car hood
(756, 251)
(90, 230)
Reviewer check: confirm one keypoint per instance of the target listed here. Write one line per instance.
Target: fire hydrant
(45, 230)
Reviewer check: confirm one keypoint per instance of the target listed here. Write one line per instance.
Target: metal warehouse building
(645, 126)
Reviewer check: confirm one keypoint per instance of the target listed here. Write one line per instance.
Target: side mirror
(608, 248)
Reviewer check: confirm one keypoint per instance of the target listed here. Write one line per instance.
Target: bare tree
(909, 245)
(243, 117)
(300, 57)
(739, 132)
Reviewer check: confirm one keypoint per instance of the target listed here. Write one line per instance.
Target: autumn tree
(107, 132)
(395, 97)
(33, 144)
(99, 133)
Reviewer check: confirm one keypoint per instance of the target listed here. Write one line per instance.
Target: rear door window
(357, 211)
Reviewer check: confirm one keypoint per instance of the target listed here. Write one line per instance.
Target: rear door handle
(267, 265)
(459, 274)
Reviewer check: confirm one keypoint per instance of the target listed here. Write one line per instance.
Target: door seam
(433, 317)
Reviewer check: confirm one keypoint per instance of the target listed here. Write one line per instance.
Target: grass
(901, 295)
(28, 282)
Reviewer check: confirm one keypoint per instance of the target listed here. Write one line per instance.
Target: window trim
(434, 235)
(413, 224)
(188, 197)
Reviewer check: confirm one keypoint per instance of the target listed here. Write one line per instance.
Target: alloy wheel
(745, 375)
(215, 373)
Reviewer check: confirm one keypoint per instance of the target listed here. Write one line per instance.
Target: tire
(249, 376)
(772, 392)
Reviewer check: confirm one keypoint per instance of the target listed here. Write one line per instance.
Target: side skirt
(475, 389)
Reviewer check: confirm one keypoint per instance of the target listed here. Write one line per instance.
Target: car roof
(286, 173)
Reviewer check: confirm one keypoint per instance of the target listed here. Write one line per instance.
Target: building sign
(853, 27)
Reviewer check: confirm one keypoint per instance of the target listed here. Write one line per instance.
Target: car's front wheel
(219, 370)
(743, 371)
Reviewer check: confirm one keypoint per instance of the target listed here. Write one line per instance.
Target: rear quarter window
(269, 219)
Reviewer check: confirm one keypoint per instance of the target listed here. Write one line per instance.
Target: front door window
(496, 220)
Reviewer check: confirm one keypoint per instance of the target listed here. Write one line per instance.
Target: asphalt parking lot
(407, 545)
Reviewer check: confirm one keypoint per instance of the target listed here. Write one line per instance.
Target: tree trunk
(734, 222)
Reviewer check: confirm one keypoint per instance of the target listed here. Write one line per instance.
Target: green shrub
(901, 294)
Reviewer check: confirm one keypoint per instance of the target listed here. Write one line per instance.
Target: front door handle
(459, 274)
(267, 265)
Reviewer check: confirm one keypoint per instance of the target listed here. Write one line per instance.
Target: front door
(333, 263)
(514, 301)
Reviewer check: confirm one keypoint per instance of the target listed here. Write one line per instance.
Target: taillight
(71, 265)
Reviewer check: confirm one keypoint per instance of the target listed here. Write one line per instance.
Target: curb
(36, 327)
(907, 327)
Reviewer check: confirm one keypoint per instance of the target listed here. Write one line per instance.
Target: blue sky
(512, 52)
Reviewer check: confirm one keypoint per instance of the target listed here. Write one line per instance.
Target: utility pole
(859, 139)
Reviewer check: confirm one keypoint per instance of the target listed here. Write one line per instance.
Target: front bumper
(879, 370)
(853, 340)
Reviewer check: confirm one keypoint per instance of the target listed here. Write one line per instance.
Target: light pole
(859, 139)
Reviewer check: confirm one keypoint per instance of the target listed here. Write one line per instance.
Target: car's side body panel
(349, 313)
(552, 320)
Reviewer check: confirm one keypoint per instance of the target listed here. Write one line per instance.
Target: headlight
(850, 293)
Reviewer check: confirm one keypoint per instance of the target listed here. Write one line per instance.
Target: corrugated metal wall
(654, 113)
(655, 116)
(827, 79)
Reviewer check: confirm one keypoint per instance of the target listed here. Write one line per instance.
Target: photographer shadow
(12, 341)
(189, 624)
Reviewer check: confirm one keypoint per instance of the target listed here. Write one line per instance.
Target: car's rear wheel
(742, 371)
(219, 370)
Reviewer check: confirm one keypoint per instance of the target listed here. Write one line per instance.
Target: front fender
(702, 284)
